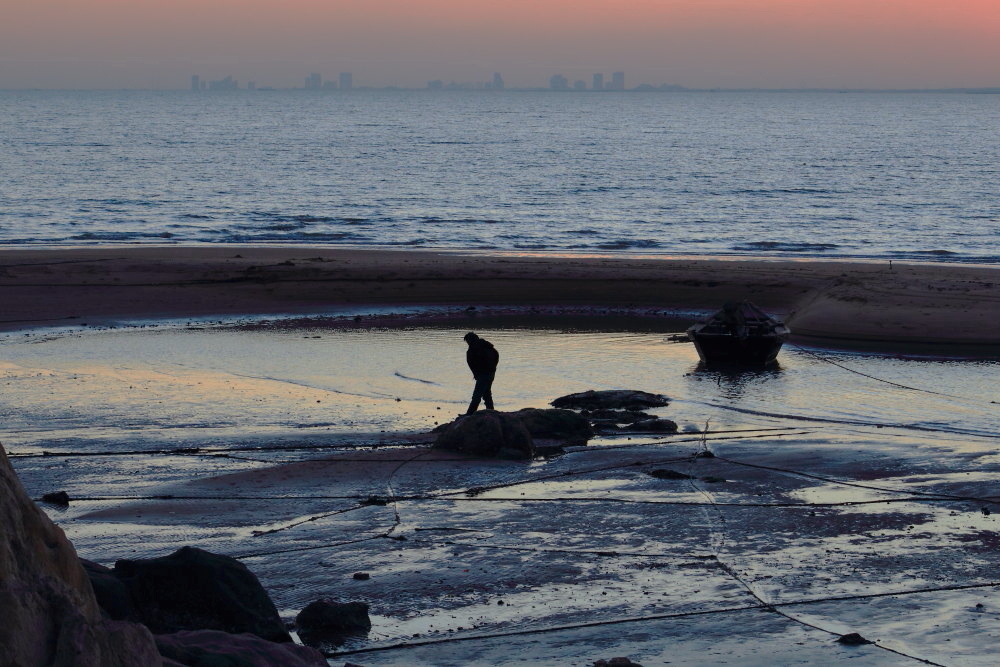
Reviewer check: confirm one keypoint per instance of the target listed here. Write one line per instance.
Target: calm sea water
(904, 176)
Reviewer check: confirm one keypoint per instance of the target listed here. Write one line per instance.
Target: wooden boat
(740, 333)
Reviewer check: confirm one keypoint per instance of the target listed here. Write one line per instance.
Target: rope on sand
(884, 381)
(720, 539)
(688, 614)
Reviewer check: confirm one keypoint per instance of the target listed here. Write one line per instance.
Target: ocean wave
(774, 192)
(627, 244)
(120, 236)
(434, 220)
(932, 253)
(313, 237)
(595, 189)
(784, 246)
(300, 218)
(118, 201)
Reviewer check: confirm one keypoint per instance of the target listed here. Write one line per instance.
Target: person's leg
(477, 395)
(488, 391)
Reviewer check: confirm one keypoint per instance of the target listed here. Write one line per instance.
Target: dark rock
(60, 498)
(615, 416)
(362, 576)
(192, 589)
(652, 426)
(613, 399)
(326, 620)
(853, 639)
(616, 662)
(111, 593)
(48, 612)
(510, 454)
(713, 480)
(666, 473)
(212, 648)
(549, 451)
(486, 433)
(555, 424)
(704, 454)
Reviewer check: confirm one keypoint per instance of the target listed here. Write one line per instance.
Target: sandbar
(947, 306)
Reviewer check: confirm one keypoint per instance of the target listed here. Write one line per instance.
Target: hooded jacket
(482, 357)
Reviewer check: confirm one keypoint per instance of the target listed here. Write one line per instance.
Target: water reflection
(735, 381)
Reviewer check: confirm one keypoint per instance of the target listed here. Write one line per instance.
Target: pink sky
(698, 43)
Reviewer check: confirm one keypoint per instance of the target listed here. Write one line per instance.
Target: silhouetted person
(483, 359)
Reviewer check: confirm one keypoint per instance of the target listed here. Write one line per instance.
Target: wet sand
(948, 307)
(836, 501)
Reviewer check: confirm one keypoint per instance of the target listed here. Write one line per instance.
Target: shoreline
(948, 307)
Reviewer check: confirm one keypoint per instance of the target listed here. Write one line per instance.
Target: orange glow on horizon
(694, 42)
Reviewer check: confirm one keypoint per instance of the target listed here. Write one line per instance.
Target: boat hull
(730, 349)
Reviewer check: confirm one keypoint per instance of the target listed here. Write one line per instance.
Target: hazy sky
(697, 43)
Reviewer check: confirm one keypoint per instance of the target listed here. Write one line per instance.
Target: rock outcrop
(327, 620)
(611, 399)
(48, 612)
(556, 424)
(511, 435)
(488, 433)
(211, 647)
(112, 595)
(655, 425)
(193, 589)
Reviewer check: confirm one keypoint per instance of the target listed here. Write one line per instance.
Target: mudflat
(943, 305)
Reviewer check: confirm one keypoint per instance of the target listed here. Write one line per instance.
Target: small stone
(986, 511)
(60, 498)
(853, 639)
(362, 576)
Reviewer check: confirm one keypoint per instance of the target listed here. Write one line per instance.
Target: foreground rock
(511, 435)
(488, 434)
(615, 417)
(48, 613)
(556, 424)
(655, 425)
(112, 594)
(612, 399)
(326, 620)
(211, 647)
(192, 589)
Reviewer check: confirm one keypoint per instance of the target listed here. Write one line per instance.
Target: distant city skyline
(159, 44)
(345, 81)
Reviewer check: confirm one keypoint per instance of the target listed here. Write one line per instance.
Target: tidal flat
(846, 492)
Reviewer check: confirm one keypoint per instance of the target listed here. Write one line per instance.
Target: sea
(905, 176)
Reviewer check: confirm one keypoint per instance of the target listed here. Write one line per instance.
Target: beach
(276, 405)
(944, 307)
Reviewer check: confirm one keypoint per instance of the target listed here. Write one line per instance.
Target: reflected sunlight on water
(267, 381)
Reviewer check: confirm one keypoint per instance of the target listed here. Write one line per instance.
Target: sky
(695, 43)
